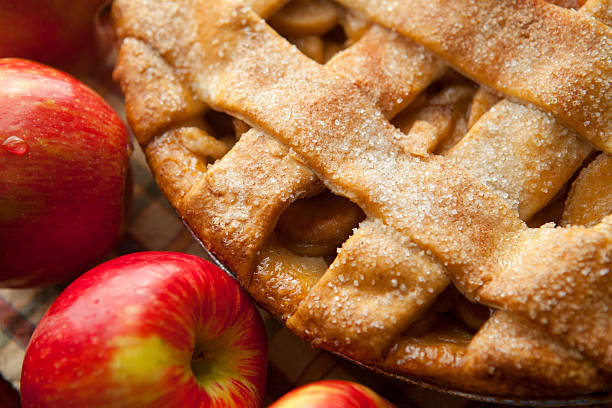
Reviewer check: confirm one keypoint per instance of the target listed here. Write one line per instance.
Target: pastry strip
(505, 348)
(412, 70)
(508, 45)
(522, 152)
(416, 195)
(484, 352)
(377, 286)
(157, 99)
(244, 211)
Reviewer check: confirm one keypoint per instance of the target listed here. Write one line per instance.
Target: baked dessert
(336, 157)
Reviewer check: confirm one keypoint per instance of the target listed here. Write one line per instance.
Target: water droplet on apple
(15, 145)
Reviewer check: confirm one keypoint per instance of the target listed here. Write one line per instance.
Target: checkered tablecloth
(155, 226)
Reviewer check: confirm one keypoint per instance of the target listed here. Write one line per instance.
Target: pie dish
(336, 157)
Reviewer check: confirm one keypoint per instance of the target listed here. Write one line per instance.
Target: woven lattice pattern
(376, 200)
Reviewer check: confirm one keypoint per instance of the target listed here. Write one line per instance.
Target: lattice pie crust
(384, 206)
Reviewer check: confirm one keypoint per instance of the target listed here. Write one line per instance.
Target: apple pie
(420, 186)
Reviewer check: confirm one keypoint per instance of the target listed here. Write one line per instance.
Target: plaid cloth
(154, 226)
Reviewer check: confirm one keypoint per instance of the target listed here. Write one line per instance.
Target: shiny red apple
(152, 329)
(64, 157)
(332, 394)
(9, 397)
(57, 32)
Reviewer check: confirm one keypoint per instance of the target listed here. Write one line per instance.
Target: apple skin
(9, 397)
(56, 32)
(332, 394)
(64, 156)
(126, 334)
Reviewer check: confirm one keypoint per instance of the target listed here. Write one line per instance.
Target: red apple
(9, 397)
(151, 329)
(63, 162)
(56, 32)
(332, 394)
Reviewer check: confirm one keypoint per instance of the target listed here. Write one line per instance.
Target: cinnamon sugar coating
(432, 219)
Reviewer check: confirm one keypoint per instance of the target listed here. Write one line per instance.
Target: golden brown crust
(528, 170)
(600, 9)
(281, 280)
(373, 291)
(540, 360)
(508, 45)
(487, 225)
(437, 356)
(387, 68)
(154, 96)
(175, 168)
(564, 280)
(242, 213)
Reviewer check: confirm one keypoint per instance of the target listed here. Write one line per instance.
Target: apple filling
(320, 29)
(317, 226)
(211, 136)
